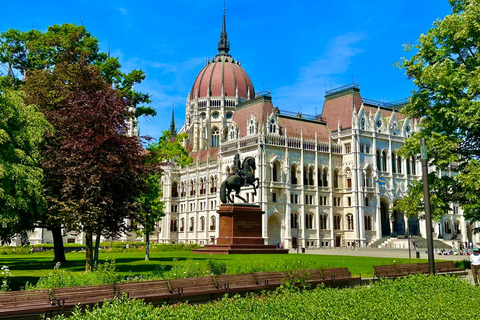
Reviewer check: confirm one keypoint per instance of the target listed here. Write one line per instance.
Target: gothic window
(335, 178)
(325, 179)
(272, 125)
(350, 222)
(294, 220)
(362, 148)
(348, 148)
(293, 173)
(229, 115)
(367, 148)
(173, 225)
(174, 190)
(368, 223)
(379, 161)
(407, 131)
(251, 127)
(201, 186)
(215, 137)
(182, 225)
(394, 163)
(203, 115)
(192, 224)
(275, 171)
(323, 222)
(319, 177)
(384, 161)
(448, 228)
(308, 221)
(212, 223)
(310, 176)
(362, 123)
(414, 167)
(215, 115)
(409, 171)
(456, 227)
(336, 222)
(202, 223)
(399, 164)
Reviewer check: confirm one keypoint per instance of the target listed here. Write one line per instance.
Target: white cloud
(123, 11)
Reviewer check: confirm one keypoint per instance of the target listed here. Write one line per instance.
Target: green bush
(105, 274)
(217, 267)
(415, 297)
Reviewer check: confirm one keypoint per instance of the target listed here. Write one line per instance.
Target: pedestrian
(475, 264)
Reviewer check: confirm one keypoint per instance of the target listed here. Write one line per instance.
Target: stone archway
(385, 218)
(414, 225)
(274, 230)
(398, 222)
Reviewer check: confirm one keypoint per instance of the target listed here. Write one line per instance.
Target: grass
(30, 267)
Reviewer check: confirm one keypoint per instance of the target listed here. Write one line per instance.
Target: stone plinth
(240, 232)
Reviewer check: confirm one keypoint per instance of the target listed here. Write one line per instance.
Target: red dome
(222, 70)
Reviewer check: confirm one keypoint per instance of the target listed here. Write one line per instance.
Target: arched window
(192, 224)
(384, 160)
(251, 127)
(414, 167)
(362, 123)
(456, 227)
(325, 177)
(202, 186)
(173, 225)
(323, 222)
(367, 148)
(368, 223)
(336, 222)
(182, 225)
(448, 227)
(394, 162)
(319, 177)
(293, 174)
(212, 223)
(399, 164)
(174, 190)
(335, 178)
(275, 171)
(409, 171)
(310, 176)
(202, 223)
(379, 161)
(293, 220)
(350, 222)
(215, 137)
(272, 125)
(308, 221)
(192, 188)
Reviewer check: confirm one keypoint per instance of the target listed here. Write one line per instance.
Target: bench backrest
(409, 268)
(236, 280)
(83, 295)
(308, 275)
(271, 277)
(193, 284)
(139, 290)
(445, 266)
(336, 273)
(389, 270)
(27, 298)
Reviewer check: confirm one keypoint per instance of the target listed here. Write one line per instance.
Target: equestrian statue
(243, 176)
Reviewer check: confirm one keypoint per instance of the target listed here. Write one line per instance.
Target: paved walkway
(386, 253)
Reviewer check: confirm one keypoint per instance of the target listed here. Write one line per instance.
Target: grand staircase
(402, 243)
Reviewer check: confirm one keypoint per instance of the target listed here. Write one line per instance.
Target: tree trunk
(97, 246)
(58, 250)
(88, 250)
(147, 245)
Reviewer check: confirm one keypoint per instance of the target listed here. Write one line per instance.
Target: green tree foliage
(445, 69)
(22, 131)
(159, 154)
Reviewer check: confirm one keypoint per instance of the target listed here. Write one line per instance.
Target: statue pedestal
(240, 232)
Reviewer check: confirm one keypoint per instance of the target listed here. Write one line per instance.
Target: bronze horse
(236, 181)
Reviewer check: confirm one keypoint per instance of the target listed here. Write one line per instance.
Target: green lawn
(31, 267)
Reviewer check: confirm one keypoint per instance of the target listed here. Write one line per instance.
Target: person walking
(475, 264)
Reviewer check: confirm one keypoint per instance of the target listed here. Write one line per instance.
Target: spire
(223, 44)
(173, 126)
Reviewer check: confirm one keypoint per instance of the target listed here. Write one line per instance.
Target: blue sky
(299, 48)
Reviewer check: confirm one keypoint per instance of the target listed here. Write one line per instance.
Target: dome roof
(223, 71)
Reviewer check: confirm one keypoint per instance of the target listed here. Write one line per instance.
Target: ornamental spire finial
(223, 44)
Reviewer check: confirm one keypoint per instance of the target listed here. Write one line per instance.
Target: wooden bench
(191, 287)
(68, 298)
(448, 267)
(340, 277)
(271, 280)
(158, 290)
(17, 303)
(409, 268)
(312, 277)
(389, 271)
(238, 282)
(424, 267)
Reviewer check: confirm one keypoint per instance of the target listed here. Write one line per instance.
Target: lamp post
(426, 197)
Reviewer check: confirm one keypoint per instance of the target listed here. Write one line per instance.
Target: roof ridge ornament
(223, 44)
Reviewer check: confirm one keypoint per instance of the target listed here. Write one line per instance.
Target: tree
(446, 72)
(22, 131)
(95, 172)
(159, 155)
(24, 52)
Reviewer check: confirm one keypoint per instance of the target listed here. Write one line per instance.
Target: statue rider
(238, 169)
